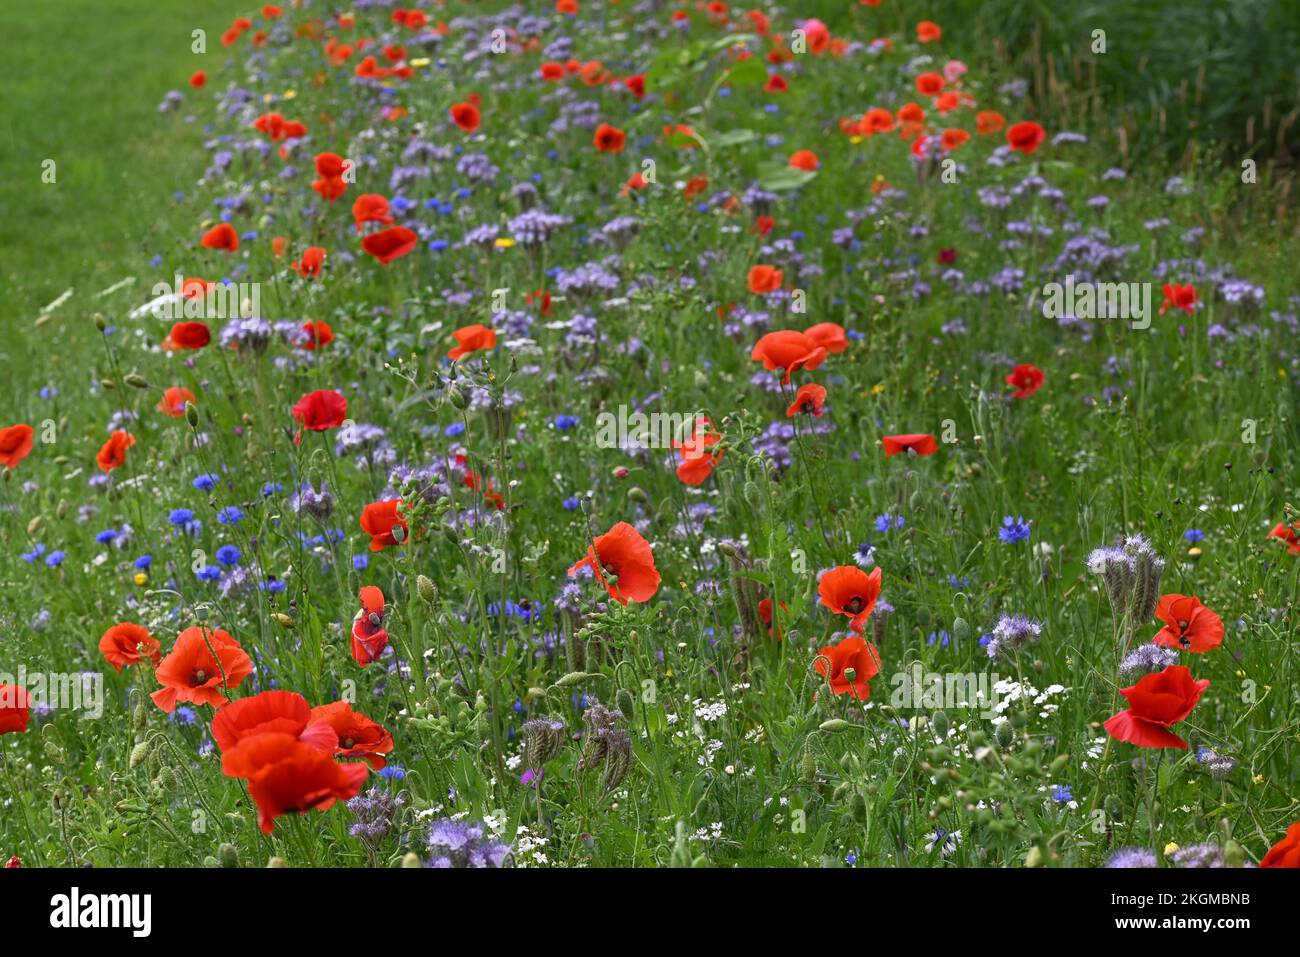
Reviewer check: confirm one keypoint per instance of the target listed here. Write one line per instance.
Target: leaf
(779, 176)
(734, 138)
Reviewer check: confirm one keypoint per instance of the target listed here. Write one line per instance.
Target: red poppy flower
(112, 454)
(816, 35)
(318, 334)
(358, 736)
(609, 139)
(552, 72)
(853, 652)
(286, 776)
(765, 615)
(805, 160)
(1156, 702)
(187, 335)
(927, 32)
(312, 258)
(622, 552)
(636, 84)
(788, 350)
(697, 462)
(922, 443)
(466, 116)
(15, 444)
(15, 709)
(848, 590)
(472, 339)
(1288, 535)
(1189, 625)
(1179, 297)
(173, 401)
(198, 78)
(321, 410)
(474, 483)
(1026, 380)
(382, 522)
(765, 279)
(1286, 852)
(271, 712)
(330, 187)
(776, 83)
(191, 672)
(829, 335)
(810, 398)
(368, 635)
(128, 644)
(1026, 137)
(389, 244)
(330, 165)
(370, 208)
(989, 121)
(929, 84)
(954, 138)
(221, 236)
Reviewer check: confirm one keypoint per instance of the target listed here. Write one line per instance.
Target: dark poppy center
(200, 676)
(347, 743)
(854, 605)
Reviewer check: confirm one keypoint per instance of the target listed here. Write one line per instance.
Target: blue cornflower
(865, 555)
(143, 562)
(181, 516)
(207, 481)
(887, 521)
(1013, 530)
(395, 772)
(563, 422)
(571, 503)
(229, 554)
(940, 636)
(230, 515)
(360, 562)
(54, 559)
(1062, 795)
(209, 573)
(453, 430)
(183, 715)
(1193, 535)
(274, 586)
(37, 551)
(106, 536)
(271, 488)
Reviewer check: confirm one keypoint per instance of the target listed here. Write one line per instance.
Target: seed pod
(192, 415)
(227, 855)
(457, 398)
(136, 381)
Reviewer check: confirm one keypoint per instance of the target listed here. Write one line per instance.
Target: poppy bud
(1234, 855)
(923, 616)
(399, 534)
(621, 472)
(411, 859)
(426, 589)
(100, 322)
(449, 532)
(809, 767)
(136, 381)
(139, 754)
(1005, 735)
(283, 619)
(140, 719)
(940, 723)
(1059, 763)
(192, 415)
(108, 384)
(572, 678)
(53, 751)
(960, 629)
(276, 862)
(858, 808)
(835, 724)
(457, 398)
(1114, 808)
(228, 856)
(637, 494)
(917, 500)
(625, 703)
(1035, 857)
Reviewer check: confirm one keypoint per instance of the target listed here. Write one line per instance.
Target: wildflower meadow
(645, 434)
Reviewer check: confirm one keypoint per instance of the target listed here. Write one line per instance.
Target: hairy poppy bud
(276, 862)
(411, 859)
(100, 322)
(283, 619)
(139, 754)
(960, 629)
(835, 724)
(625, 703)
(227, 855)
(192, 415)
(457, 398)
(1005, 734)
(940, 723)
(426, 589)
(136, 381)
